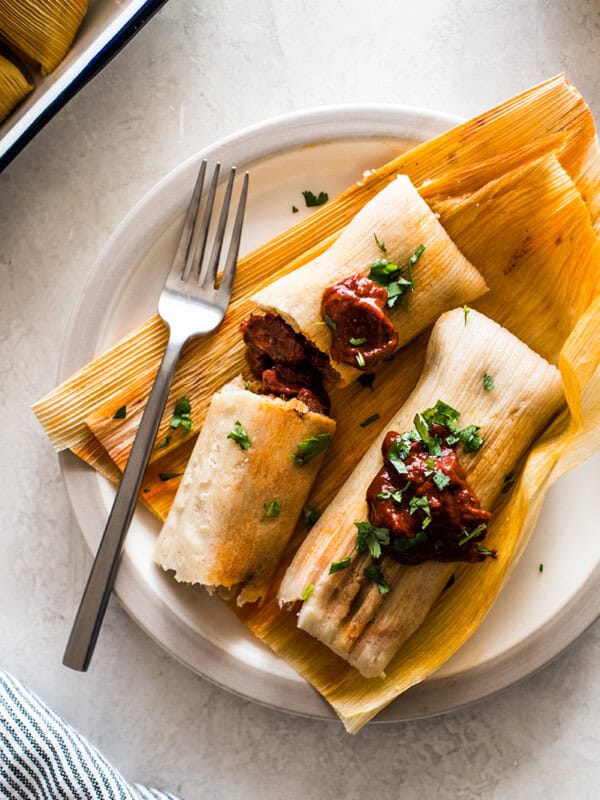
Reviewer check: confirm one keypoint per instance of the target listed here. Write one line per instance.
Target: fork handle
(94, 601)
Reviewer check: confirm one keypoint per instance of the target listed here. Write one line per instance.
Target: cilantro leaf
(369, 420)
(399, 450)
(371, 538)
(307, 592)
(165, 443)
(441, 480)
(379, 244)
(311, 515)
(294, 210)
(470, 438)
(432, 443)
(360, 359)
(466, 310)
(488, 382)
(374, 573)
(484, 551)
(272, 507)
(312, 200)
(396, 495)
(166, 476)
(182, 414)
(310, 448)
(239, 435)
(120, 413)
(357, 342)
(338, 566)
(420, 504)
(466, 536)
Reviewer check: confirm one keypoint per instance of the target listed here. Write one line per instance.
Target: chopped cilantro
(484, 551)
(329, 322)
(371, 538)
(389, 275)
(357, 342)
(488, 382)
(374, 573)
(432, 443)
(399, 450)
(441, 480)
(272, 507)
(369, 420)
(166, 476)
(312, 200)
(182, 414)
(366, 380)
(466, 536)
(145, 490)
(310, 448)
(120, 413)
(338, 566)
(541, 568)
(401, 544)
(396, 496)
(311, 515)
(470, 438)
(466, 310)
(239, 435)
(360, 359)
(165, 443)
(379, 244)
(294, 210)
(420, 504)
(307, 592)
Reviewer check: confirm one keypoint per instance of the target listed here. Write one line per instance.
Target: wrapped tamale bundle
(243, 490)
(42, 29)
(390, 274)
(14, 86)
(388, 543)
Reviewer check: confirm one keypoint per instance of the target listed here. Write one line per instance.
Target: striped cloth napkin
(43, 757)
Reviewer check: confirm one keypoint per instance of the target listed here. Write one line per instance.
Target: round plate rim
(433, 697)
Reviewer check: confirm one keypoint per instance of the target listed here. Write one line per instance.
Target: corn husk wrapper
(550, 120)
(42, 29)
(346, 611)
(14, 86)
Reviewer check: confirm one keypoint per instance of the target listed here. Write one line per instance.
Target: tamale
(399, 220)
(14, 86)
(42, 29)
(345, 610)
(242, 493)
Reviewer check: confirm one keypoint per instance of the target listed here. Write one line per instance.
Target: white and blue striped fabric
(43, 758)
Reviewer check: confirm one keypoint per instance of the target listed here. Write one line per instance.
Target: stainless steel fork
(191, 305)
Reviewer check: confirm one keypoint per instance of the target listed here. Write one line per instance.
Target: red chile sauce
(356, 306)
(285, 362)
(454, 509)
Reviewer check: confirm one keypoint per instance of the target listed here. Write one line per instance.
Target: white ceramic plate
(537, 614)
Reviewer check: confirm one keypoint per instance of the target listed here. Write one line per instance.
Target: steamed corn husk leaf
(549, 120)
(42, 29)
(14, 86)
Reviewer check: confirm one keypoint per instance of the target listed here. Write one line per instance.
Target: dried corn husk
(403, 221)
(14, 86)
(347, 612)
(551, 119)
(42, 29)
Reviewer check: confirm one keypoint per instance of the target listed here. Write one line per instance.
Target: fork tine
(196, 254)
(183, 247)
(208, 274)
(234, 246)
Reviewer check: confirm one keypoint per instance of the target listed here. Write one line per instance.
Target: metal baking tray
(106, 28)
